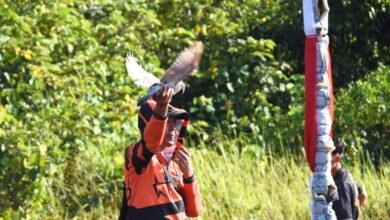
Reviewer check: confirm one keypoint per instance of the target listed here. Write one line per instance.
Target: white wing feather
(138, 74)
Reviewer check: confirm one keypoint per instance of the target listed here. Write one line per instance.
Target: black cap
(177, 113)
(146, 112)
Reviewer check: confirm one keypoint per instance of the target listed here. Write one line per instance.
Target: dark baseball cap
(177, 113)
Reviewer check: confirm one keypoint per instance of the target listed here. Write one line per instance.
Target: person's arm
(192, 197)
(155, 129)
(191, 192)
(140, 154)
(362, 195)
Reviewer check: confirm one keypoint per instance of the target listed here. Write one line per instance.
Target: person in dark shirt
(351, 195)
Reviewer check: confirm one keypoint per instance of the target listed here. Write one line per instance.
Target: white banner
(308, 18)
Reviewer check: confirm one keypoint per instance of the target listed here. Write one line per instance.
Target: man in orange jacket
(159, 177)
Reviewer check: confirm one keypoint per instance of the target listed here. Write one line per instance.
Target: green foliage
(68, 110)
(64, 100)
(363, 117)
(358, 36)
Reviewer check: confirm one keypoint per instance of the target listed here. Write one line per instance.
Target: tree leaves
(67, 108)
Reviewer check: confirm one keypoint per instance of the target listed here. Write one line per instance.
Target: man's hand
(362, 197)
(163, 97)
(183, 158)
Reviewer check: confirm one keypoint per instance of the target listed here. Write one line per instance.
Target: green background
(68, 108)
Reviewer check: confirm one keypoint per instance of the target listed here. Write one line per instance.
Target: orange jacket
(149, 193)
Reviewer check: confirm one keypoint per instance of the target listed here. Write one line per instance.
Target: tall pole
(319, 107)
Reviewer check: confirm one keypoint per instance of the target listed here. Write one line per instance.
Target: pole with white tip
(319, 107)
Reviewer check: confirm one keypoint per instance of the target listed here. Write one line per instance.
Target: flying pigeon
(185, 65)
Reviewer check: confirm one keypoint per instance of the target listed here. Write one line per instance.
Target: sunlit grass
(238, 187)
(234, 186)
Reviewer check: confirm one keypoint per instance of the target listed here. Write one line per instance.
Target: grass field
(240, 188)
(235, 186)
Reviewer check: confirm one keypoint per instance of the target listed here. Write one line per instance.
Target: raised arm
(140, 153)
(155, 130)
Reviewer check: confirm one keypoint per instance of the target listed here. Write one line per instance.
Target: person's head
(337, 153)
(177, 122)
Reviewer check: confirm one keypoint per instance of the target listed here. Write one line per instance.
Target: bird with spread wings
(185, 65)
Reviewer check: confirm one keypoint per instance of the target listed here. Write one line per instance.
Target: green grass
(234, 186)
(377, 185)
(240, 187)
(237, 187)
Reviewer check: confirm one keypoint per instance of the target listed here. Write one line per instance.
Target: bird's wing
(185, 64)
(138, 74)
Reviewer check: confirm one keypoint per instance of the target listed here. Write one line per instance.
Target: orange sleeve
(192, 199)
(154, 134)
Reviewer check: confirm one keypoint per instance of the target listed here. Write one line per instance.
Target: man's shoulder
(346, 175)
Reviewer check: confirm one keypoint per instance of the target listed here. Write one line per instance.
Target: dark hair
(339, 146)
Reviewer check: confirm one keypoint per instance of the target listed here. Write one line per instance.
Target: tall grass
(234, 184)
(238, 187)
(377, 185)
(244, 179)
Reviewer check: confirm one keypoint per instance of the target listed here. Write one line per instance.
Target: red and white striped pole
(319, 108)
